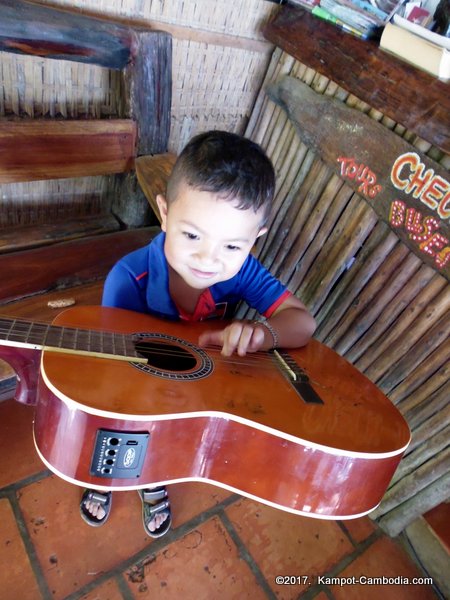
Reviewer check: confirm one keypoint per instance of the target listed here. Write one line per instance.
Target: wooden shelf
(418, 101)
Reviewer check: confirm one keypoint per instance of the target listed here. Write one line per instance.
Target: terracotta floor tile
(383, 558)
(285, 544)
(105, 591)
(204, 564)
(16, 443)
(190, 499)
(16, 575)
(359, 529)
(72, 553)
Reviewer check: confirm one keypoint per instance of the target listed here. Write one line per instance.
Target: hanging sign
(406, 189)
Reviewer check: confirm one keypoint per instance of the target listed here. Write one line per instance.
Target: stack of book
(363, 18)
(410, 36)
(360, 17)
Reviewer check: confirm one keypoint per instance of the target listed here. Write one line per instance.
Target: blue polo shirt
(140, 282)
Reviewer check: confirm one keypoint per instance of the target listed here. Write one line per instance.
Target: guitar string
(171, 351)
(259, 359)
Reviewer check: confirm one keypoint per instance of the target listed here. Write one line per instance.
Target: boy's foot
(95, 507)
(156, 515)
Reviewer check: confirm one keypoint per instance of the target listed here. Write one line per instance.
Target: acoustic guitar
(127, 401)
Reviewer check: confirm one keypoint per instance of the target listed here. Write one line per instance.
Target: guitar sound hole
(166, 357)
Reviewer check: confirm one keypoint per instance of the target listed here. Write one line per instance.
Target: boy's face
(207, 239)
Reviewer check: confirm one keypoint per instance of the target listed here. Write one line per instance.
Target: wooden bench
(69, 258)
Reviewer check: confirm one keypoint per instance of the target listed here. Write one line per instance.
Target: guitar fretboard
(28, 334)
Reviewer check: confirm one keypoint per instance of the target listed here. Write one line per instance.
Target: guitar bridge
(297, 378)
(119, 454)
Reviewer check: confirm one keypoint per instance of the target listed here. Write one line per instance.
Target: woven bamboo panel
(55, 200)
(37, 87)
(215, 84)
(375, 302)
(215, 88)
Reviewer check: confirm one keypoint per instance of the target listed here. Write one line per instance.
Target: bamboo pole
(330, 206)
(398, 345)
(399, 361)
(433, 366)
(280, 226)
(279, 65)
(378, 245)
(289, 253)
(273, 128)
(435, 403)
(352, 229)
(422, 454)
(390, 265)
(371, 303)
(287, 186)
(395, 521)
(390, 312)
(407, 487)
(425, 391)
(429, 428)
(281, 150)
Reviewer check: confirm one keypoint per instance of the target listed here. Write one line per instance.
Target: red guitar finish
(238, 422)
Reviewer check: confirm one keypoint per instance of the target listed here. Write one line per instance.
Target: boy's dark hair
(229, 165)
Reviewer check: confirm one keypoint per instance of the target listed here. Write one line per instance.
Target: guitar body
(235, 422)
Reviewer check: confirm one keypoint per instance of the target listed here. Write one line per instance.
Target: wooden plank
(407, 189)
(36, 308)
(13, 239)
(148, 82)
(152, 173)
(67, 264)
(432, 552)
(49, 149)
(417, 100)
(29, 28)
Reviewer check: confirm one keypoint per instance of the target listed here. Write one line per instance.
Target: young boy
(218, 200)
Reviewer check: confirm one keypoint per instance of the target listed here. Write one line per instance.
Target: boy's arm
(292, 325)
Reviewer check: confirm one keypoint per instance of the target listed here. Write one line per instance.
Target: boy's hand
(240, 337)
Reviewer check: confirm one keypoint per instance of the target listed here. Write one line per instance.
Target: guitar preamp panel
(119, 454)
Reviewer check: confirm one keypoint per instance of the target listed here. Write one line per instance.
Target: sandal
(151, 507)
(103, 498)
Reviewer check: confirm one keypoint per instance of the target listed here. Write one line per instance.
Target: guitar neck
(68, 340)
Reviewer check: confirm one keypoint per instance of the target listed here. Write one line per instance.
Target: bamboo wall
(375, 302)
(219, 62)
